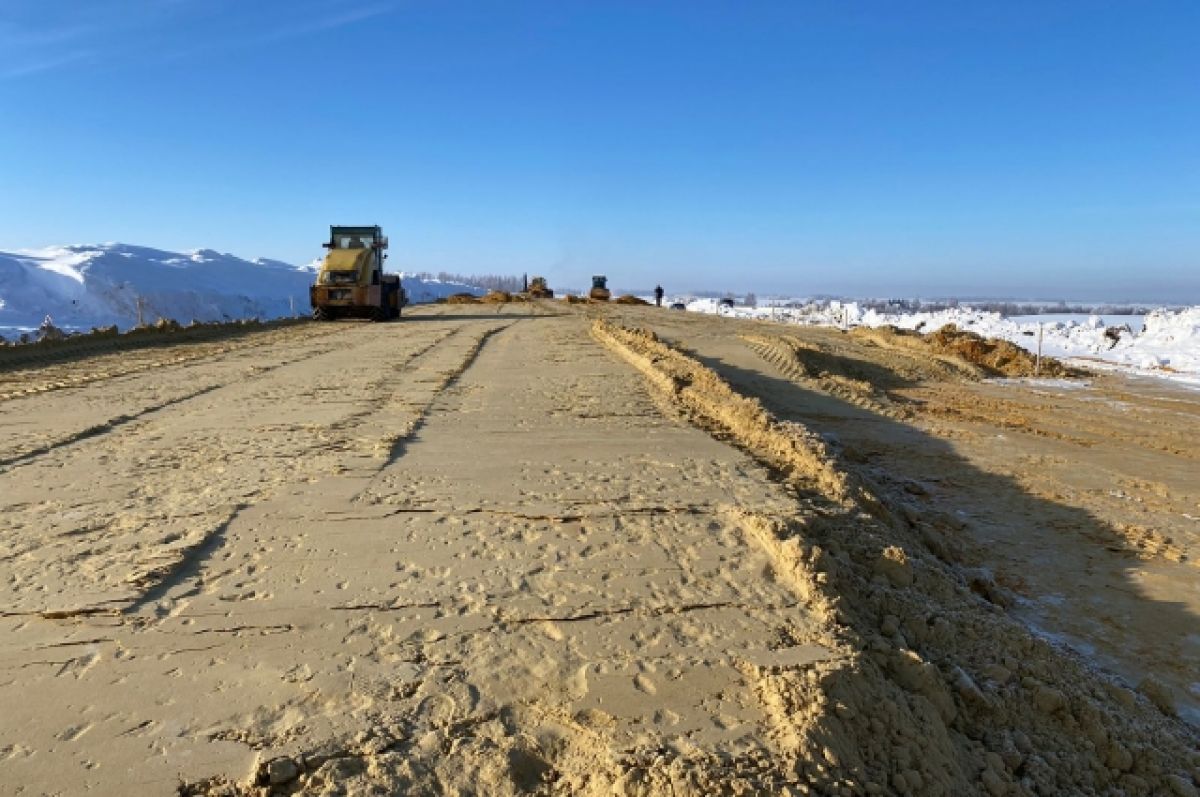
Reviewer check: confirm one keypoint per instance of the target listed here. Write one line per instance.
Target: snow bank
(422, 291)
(1169, 340)
(99, 285)
(1163, 343)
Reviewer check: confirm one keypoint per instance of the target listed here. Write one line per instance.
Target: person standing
(658, 294)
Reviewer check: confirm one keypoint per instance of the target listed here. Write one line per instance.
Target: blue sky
(1031, 149)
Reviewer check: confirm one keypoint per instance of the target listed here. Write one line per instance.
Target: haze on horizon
(1018, 149)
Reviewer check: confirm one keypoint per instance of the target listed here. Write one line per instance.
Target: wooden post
(1037, 364)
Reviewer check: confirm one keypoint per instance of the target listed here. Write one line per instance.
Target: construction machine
(351, 282)
(599, 290)
(538, 289)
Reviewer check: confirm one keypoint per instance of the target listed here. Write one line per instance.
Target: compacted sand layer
(556, 549)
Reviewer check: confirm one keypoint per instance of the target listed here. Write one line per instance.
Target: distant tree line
(491, 282)
(1007, 308)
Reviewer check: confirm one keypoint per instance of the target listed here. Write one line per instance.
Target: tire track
(792, 358)
(48, 353)
(114, 423)
(129, 510)
(96, 430)
(447, 381)
(189, 564)
(125, 366)
(257, 373)
(381, 388)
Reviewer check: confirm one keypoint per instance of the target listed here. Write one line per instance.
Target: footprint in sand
(74, 732)
(644, 684)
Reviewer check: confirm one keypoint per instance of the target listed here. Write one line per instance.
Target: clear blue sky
(1038, 149)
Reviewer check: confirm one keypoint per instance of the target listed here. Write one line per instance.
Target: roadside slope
(929, 618)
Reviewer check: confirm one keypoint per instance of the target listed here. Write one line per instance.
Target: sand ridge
(984, 686)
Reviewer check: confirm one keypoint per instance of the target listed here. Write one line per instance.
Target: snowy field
(81, 287)
(1134, 322)
(1163, 343)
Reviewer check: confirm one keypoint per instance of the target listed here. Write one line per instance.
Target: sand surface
(533, 548)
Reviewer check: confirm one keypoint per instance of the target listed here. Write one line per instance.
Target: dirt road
(527, 548)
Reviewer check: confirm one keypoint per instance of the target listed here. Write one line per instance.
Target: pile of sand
(629, 299)
(997, 357)
(964, 353)
(492, 297)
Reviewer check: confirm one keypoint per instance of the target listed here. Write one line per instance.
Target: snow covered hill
(81, 287)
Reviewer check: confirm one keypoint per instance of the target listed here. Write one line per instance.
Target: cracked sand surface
(480, 552)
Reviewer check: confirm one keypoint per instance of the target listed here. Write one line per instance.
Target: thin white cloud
(33, 67)
(30, 48)
(27, 51)
(12, 38)
(325, 23)
(1148, 209)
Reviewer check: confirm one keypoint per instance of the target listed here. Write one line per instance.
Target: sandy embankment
(478, 550)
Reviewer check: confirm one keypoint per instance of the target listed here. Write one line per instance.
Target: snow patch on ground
(1035, 382)
(87, 286)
